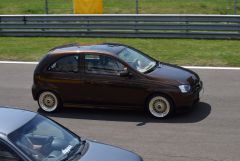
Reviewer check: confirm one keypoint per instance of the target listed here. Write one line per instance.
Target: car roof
(107, 48)
(13, 118)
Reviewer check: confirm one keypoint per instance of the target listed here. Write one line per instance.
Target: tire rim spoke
(48, 101)
(159, 106)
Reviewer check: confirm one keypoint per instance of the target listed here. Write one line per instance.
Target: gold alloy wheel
(48, 101)
(159, 107)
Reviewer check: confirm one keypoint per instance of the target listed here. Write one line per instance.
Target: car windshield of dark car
(43, 140)
(137, 60)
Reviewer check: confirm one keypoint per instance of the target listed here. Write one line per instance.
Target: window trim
(61, 57)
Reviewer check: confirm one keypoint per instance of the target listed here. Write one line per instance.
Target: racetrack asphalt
(210, 132)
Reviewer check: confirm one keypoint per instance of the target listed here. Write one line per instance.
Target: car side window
(101, 64)
(6, 154)
(65, 64)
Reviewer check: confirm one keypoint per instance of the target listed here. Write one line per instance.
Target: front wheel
(159, 106)
(49, 102)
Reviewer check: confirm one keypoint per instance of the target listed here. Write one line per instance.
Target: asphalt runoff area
(210, 132)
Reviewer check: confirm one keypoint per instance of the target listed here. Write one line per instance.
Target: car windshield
(137, 60)
(42, 139)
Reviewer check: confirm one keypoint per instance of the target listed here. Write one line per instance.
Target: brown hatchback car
(112, 75)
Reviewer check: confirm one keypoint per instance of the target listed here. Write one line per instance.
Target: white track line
(17, 62)
(214, 68)
(190, 67)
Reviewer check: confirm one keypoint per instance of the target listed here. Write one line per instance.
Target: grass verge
(123, 6)
(176, 51)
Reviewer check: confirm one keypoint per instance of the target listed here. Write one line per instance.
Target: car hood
(102, 152)
(173, 74)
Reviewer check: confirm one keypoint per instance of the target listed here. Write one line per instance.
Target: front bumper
(186, 101)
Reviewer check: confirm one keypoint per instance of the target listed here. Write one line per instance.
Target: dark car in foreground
(112, 75)
(28, 136)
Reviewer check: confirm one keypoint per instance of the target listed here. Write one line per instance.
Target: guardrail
(119, 25)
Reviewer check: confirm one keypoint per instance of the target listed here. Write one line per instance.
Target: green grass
(176, 51)
(123, 6)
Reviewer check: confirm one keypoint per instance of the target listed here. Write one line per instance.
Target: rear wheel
(159, 106)
(49, 102)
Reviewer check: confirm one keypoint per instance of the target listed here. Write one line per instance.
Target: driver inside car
(37, 146)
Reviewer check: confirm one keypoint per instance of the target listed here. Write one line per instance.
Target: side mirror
(124, 73)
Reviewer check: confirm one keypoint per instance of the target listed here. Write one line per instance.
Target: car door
(63, 77)
(7, 154)
(103, 84)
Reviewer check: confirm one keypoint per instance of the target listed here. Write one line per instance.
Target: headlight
(184, 88)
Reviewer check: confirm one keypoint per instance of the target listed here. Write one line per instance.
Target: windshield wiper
(79, 150)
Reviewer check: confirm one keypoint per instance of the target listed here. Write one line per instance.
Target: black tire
(49, 102)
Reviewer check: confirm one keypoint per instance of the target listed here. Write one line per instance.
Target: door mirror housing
(124, 73)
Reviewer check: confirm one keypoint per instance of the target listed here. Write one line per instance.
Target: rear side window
(65, 64)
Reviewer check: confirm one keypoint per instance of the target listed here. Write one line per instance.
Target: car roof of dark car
(13, 118)
(107, 48)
